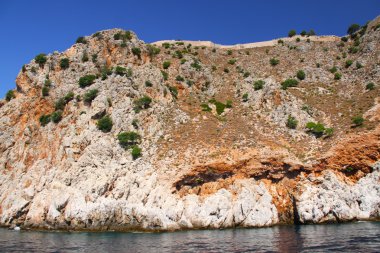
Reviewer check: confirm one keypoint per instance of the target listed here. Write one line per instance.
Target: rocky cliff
(117, 134)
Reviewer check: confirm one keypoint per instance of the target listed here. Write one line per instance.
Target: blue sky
(30, 27)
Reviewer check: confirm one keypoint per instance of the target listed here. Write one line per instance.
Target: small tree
(301, 75)
(10, 95)
(292, 33)
(40, 59)
(105, 124)
(64, 63)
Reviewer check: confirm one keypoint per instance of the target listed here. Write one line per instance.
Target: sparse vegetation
(245, 97)
(179, 78)
(232, 61)
(289, 83)
(40, 59)
(165, 75)
(318, 129)
(152, 50)
(333, 70)
(86, 80)
(45, 119)
(357, 121)
(195, 64)
(45, 91)
(337, 76)
(370, 86)
(56, 116)
(166, 64)
(128, 139)
(291, 122)
(274, 61)
(120, 71)
(148, 83)
(85, 57)
(105, 124)
(136, 152)
(348, 63)
(229, 52)
(136, 51)
(174, 91)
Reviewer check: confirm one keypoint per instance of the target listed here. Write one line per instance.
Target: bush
(81, 40)
(258, 85)
(206, 107)
(128, 139)
(357, 121)
(64, 63)
(105, 124)
(120, 71)
(56, 116)
(166, 64)
(292, 33)
(370, 86)
(45, 91)
(69, 96)
(358, 65)
(353, 29)
(86, 80)
(105, 72)
(232, 61)
(136, 51)
(127, 35)
(85, 57)
(303, 33)
(280, 42)
(348, 63)
(178, 54)
(301, 75)
(196, 65)
(245, 97)
(353, 50)
(289, 83)
(148, 84)
(344, 39)
(311, 33)
(165, 75)
(333, 70)
(173, 91)
(291, 122)
(179, 78)
(44, 120)
(10, 95)
(60, 104)
(298, 39)
(152, 50)
(40, 59)
(142, 103)
(317, 129)
(229, 52)
(136, 152)
(337, 76)
(226, 70)
(274, 61)
(94, 58)
(90, 95)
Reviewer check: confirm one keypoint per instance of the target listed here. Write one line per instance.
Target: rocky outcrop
(217, 149)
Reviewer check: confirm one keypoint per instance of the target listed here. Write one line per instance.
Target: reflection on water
(353, 237)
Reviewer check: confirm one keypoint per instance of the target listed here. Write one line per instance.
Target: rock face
(218, 148)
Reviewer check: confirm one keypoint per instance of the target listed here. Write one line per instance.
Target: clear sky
(29, 27)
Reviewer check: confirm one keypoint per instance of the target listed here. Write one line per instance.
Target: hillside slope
(116, 134)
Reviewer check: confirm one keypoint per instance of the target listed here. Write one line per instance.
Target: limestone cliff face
(218, 148)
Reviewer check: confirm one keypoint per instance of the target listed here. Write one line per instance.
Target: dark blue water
(350, 237)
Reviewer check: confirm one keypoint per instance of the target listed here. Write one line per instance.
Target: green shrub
(246, 74)
(183, 61)
(179, 78)
(142, 103)
(337, 76)
(81, 40)
(229, 52)
(353, 29)
(274, 61)
(280, 42)
(127, 35)
(289, 83)
(105, 72)
(166, 64)
(311, 33)
(94, 58)
(128, 139)
(358, 65)
(344, 39)
(226, 70)
(166, 45)
(60, 104)
(292, 33)
(148, 84)
(245, 97)
(152, 50)
(353, 50)
(64, 63)
(258, 85)
(85, 57)
(303, 33)
(348, 63)
(90, 95)
(195, 64)
(174, 91)
(232, 61)
(301, 75)
(105, 124)
(317, 129)
(69, 96)
(165, 75)
(370, 86)
(44, 120)
(136, 51)
(333, 70)
(40, 59)
(120, 71)
(45, 91)
(87, 80)
(178, 54)
(298, 39)
(135, 123)
(206, 107)
(136, 152)
(357, 121)
(10, 95)
(56, 116)
(291, 122)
